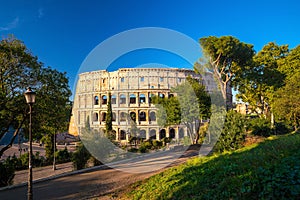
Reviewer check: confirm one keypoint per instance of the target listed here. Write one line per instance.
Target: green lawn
(269, 170)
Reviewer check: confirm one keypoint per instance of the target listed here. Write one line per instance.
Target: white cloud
(10, 25)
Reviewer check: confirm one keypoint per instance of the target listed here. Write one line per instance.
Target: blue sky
(62, 33)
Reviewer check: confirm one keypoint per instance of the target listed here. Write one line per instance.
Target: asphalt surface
(99, 182)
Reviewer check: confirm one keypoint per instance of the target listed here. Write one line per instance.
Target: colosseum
(131, 91)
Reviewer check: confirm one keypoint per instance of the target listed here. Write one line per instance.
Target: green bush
(17, 163)
(166, 140)
(63, 156)
(24, 161)
(157, 144)
(282, 128)
(7, 172)
(147, 144)
(233, 134)
(260, 127)
(80, 157)
(142, 149)
(202, 132)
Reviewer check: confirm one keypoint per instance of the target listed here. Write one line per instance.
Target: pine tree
(108, 120)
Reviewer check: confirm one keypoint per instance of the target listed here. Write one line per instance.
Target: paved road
(100, 183)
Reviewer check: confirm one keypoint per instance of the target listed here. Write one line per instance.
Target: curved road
(100, 183)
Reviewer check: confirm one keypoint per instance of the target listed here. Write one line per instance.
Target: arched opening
(133, 116)
(142, 116)
(172, 133)
(142, 134)
(122, 99)
(95, 117)
(181, 133)
(162, 134)
(113, 117)
(142, 98)
(152, 116)
(122, 135)
(161, 95)
(96, 100)
(113, 99)
(132, 99)
(104, 99)
(122, 117)
(103, 118)
(152, 134)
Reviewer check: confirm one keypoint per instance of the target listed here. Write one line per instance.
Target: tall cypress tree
(108, 120)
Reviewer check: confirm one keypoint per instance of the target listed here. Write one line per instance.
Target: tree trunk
(223, 85)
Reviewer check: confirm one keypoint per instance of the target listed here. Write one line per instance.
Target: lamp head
(30, 96)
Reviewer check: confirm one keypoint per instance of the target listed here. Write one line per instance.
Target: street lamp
(30, 100)
(54, 148)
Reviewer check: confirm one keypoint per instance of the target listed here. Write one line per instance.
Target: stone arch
(132, 99)
(152, 134)
(103, 116)
(132, 115)
(152, 116)
(96, 100)
(142, 116)
(142, 134)
(104, 100)
(181, 133)
(113, 99)
(142, 98)
(172, 133)
(114, 117)
(122, 99)
(162, 134)
(122, 116)
(122, 135)
(95, 117)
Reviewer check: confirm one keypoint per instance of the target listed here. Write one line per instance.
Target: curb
(55, 177)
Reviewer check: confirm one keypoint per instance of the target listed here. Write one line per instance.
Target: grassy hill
(269, 170)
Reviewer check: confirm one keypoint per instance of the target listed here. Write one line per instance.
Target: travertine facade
(131, 90)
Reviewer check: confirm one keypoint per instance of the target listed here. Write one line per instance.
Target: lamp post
(30, 100)
(54, 148)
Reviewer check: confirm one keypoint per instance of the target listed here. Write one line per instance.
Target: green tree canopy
(261, 81)
(228, 58)
(190, 105)
(19, 69)
(287, 101)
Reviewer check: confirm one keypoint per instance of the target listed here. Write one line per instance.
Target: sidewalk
(42, 172)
